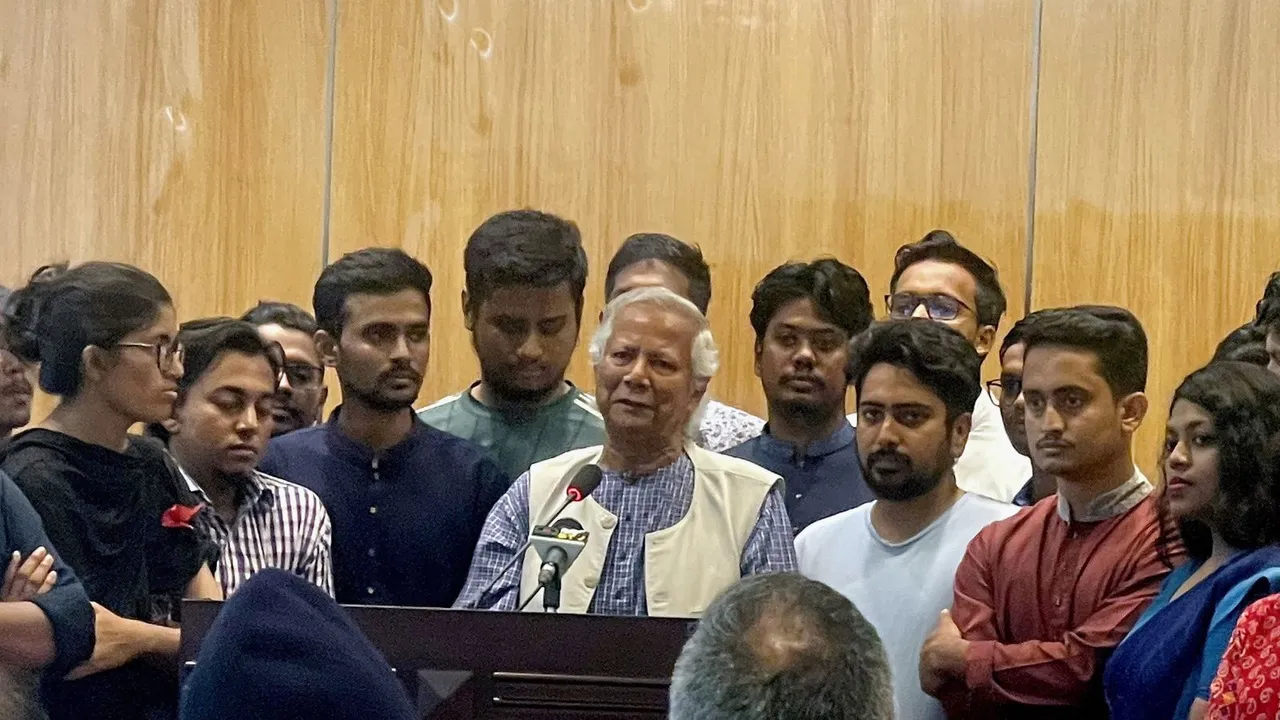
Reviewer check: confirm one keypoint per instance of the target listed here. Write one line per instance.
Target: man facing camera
(804, 315)
(671, 525)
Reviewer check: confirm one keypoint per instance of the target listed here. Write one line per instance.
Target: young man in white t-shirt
(895, 558)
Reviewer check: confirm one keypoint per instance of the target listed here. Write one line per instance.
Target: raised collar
(782, 450)
(360, 454)
(1112, 503)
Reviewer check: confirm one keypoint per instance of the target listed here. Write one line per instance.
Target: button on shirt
(820, 480)
(405, 520)
(643, 504)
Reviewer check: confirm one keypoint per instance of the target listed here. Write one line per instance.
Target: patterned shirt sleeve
(1247, 686)
(319, 564)
(724, 427)
(771, 546)
(505, 531)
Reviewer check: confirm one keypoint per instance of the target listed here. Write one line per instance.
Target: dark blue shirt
(826, 479)
(405, 520)
(66, 605)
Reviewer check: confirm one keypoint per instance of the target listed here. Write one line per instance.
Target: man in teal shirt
(525, 274)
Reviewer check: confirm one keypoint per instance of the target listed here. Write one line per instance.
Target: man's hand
(942, 658)
(25, 580)
(115, 646)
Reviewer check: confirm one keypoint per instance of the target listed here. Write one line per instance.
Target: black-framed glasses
(997, 390)
(303, 375)
(167, 354)
(902, 305)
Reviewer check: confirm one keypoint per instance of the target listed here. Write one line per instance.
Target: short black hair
(1017, 333)
(62, 310)
(780, 646)
(685, 258)
(941, 246)
(838, 292)
(524, 247)
(1247, 343)
(286, 315)
(940, 358)
(1112, 334)
(1244, 402)
(1268, 308)
(373, 271)
(207, 339)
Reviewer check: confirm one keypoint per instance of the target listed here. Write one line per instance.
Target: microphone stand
(550, 595)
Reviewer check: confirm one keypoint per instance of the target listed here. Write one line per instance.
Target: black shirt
(405, 520)
(102, 510)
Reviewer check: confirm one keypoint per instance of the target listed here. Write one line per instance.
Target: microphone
(584, 482)
(558, 546)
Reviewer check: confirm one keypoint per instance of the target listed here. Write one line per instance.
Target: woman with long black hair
(113, 506)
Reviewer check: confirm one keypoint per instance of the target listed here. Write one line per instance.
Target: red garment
(1042, 602)
(1247, 686)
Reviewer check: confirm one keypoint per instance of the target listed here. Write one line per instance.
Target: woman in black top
(112, 503)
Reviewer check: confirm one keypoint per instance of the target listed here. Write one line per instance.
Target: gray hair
(782, 647)
(706, 356)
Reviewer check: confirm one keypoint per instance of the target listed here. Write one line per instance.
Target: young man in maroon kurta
(1042, 598)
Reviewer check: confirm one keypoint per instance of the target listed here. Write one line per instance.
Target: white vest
(687, 565)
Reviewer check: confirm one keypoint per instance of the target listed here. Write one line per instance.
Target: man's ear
(327, 346)
(324, 398)
(756, 365)
(960, 434)
(1133, 408)
(467, 318)
(985, 341)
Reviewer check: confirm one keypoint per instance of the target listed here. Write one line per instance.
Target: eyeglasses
(303, 375)
(167, 354)
(1010, 388)
(939, 307)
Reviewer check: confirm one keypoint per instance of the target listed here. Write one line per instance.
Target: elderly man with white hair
(671, 525)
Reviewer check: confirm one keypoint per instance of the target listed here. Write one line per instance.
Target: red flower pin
(179, 516)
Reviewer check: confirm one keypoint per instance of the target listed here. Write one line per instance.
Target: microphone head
(566, 524)
(584, 482)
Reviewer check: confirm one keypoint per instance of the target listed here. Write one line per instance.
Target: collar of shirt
(358, 453)
(782, 450)
(255, 491)
(1112, 503)
(472, 406)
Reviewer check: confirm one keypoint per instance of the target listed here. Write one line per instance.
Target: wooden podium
(464, 664)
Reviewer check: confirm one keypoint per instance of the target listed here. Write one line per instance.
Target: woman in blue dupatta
(1221, 503)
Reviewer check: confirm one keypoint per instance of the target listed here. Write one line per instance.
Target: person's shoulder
(299, 494)
(820, 533)
(459, 452)
(585, 404)
(304, 440)
(745, 450)
(439, 411)
(724, 426)
(735, 467)
(729, 414)
(984, 508)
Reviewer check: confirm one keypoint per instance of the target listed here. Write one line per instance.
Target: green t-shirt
(570, 423)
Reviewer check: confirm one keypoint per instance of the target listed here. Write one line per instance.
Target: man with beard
(804, 315)
(1007, 394)
(15, 388)
(407, 501)
(302, 394)
(525, 273)
(1043, 597)
(917, 382)
(220, 426)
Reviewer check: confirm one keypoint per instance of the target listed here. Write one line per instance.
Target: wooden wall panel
(1158, 176)
(764, 130)
(183, 136)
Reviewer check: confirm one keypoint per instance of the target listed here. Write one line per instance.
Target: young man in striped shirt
(525, 274)
(221, 422)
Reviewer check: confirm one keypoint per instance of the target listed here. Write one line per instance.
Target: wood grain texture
(763, 130)
(182, 136)
(1158, 175)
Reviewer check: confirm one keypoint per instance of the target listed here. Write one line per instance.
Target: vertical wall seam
(1032, 155)
(330, 81)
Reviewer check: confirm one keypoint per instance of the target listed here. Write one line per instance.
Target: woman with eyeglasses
(1221, 504)
(112, 503)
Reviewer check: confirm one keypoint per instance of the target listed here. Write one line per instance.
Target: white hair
(706, 356)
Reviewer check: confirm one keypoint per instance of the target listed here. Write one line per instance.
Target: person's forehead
(250, 373)
(529, 301)
(405, 306)
(652, 324)
(1046, 367)
(651, 273)
(800, 313)
(1013, 358)
(890, 384)
(289, 338)
(929, 277)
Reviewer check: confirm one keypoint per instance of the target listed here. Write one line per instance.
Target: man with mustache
(916, 383)
(804, 315)
(1043, 597)
(1007, 394)
(15, 388)
(302, 394)
(407, 501)
(220, 426)
(525, 274)
(670, 525)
